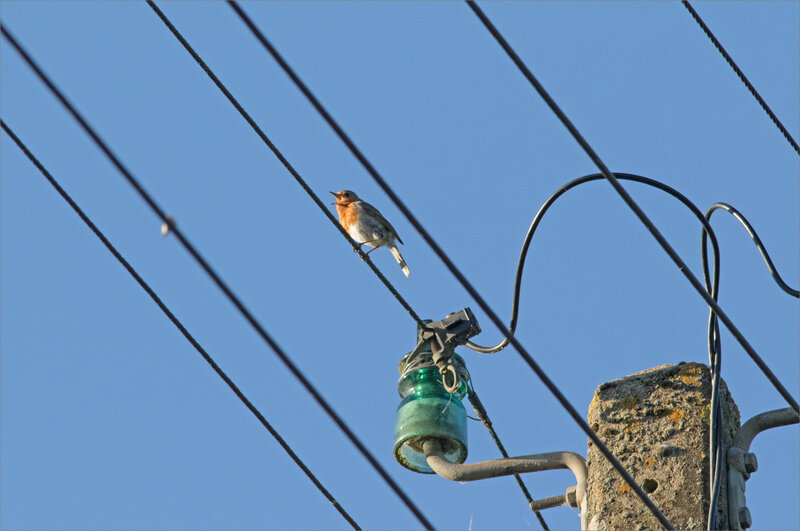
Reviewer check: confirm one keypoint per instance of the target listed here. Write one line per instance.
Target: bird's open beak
(336, 196)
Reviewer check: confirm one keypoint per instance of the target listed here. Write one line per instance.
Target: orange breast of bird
(348, 215)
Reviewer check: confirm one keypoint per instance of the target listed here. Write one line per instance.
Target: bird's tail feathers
(399, 258)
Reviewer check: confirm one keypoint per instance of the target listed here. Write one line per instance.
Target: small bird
(366, 225)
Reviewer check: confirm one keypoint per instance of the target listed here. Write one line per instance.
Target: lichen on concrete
(656, 422)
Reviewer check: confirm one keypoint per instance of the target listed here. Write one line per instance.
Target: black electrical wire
(356, 247)
(758, 243)
(715, 420)
(711, 298)
(577, 417)
(741, 75)
(363, 160)
(482, 414)
(715, 424)
(163, 307)
(634, 207)
(221, 285)
(715, 348)
(540, 215)
(704, 220)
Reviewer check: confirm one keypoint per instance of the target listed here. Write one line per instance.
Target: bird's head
(345, 197)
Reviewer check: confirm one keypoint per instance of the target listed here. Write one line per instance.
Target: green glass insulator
(428, 411)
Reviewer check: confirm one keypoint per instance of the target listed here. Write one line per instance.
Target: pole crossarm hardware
(455, 329)
(575, 495)
(741, 463)
(443, 337)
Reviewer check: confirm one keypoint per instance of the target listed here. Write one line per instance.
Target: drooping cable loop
(179, 325)
(704, 220)
(712, 285)
(538, 218)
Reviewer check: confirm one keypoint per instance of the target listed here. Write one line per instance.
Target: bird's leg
(364, 243)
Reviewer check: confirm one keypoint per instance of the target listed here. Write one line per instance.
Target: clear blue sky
(110, 420)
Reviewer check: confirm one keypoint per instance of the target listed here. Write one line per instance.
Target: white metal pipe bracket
(575, 495)
(741, 463)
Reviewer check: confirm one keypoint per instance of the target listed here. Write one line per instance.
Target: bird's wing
(372, 211)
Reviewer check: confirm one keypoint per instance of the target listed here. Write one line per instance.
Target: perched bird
(366, 225)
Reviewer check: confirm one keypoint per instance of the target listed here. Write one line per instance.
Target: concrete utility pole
(657, 423)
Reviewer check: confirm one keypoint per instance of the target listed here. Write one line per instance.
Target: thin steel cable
(284, 161)
(774, 380)
(222, 285)
(483, 416)
(577, 417)
(741, 75)
(163, 307)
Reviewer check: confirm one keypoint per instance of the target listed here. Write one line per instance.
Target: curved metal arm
(741, 463)
(764, 421)
(513, 465)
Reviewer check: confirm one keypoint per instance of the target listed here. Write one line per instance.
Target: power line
(482, 413)
(456, 272)
(163, 307)
(712, 285)
(716, 310)
(714, 345)
(285, 162)
(223, 286)
(742, 77)
(635, 207)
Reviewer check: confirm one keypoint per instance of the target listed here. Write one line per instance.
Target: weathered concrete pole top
(657, 423)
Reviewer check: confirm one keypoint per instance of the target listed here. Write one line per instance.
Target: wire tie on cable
(167, 226)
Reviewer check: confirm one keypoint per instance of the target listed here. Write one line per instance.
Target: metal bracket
(455, 329)
(443, 337)
(575, 495)
(742, 463)
(568, 498)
